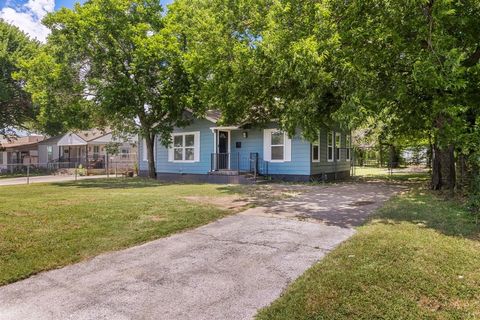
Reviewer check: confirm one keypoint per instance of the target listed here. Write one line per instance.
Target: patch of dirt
(225, 202)
(361, 203)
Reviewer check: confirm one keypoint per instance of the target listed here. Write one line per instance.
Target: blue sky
(27, 14)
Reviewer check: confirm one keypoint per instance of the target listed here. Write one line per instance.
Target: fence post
(116, 169)
(108, 165)
(28, 173)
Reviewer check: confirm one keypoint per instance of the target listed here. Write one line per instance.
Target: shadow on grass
(429, 210)
(113, 183)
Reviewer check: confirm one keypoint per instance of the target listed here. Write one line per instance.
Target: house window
(338, 144)
(1, 157)
(49, 153)
(330, 146)
(348, 142)
(277, 145)
(124, 153)
(185, 147)
(316, 150)
(96, 152)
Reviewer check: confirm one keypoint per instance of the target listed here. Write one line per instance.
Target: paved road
(45, 179)
(225, 270)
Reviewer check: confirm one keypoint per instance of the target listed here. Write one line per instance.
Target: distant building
(19, 150)
(88, 148)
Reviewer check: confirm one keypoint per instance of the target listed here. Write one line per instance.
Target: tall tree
(260, 60)
(15, 104)
(125, 66)
(417, 62)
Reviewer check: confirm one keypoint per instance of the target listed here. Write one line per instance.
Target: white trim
(267, 146)
(196, 147)
(71, 140)
(316, 144)
(229, 144)
(225, 128)
(144, 150)
(330, 134)
(348, 146)
(338, 150)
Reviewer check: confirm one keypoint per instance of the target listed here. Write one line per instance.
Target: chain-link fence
(65, 170)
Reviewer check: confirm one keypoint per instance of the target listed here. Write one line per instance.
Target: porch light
(245, 134)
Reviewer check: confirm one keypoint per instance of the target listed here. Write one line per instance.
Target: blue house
(207, 152)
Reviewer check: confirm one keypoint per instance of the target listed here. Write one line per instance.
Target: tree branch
(473, 59)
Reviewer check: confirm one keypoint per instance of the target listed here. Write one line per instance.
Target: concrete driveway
(225, 270)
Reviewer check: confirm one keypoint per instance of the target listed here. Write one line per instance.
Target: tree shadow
(429, 210)
(341, 204)
(113, 183)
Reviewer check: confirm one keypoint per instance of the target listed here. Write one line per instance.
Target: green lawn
(418, 258)
(402, 175)
(44, 226)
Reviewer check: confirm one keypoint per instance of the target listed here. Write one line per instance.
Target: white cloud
(28, 18)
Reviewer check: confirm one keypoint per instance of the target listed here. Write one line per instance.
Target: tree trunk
(449, 168)
(436, 169)
(150, 142)
(394, 159)
(429, 153)
(381, 155)
(443, 168)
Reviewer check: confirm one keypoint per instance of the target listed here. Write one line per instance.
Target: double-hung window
(338, 145)
(96, 152)
(49, 153)
(330, 140)
(185, 147)
(348, 142)
(277, 145)
(316, 150)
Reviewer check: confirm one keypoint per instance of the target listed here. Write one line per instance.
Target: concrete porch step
(225, 173)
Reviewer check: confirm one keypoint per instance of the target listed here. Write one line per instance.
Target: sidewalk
(46, 179)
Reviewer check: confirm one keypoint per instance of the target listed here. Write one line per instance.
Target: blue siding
(206, 149)
(300, 164)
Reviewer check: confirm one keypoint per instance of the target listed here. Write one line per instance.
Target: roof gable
(71, 139)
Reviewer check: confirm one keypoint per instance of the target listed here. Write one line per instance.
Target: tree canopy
(410, 66)
(15, 104)
(117, 63)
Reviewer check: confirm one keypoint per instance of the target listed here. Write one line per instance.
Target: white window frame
(330, 146)
(49, 153)
(144, 150)
(338, 153)
(316, 144)
(277, 145)
(267, 146)
(348, 145)
(196, 147)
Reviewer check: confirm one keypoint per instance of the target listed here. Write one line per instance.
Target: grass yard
(45, 226)
(411, 174)
(418, 258)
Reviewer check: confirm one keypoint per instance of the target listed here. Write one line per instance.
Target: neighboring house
(88, 148)
(19, 150)
(205, 151)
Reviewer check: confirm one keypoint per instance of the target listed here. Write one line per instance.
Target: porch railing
(250, 163)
